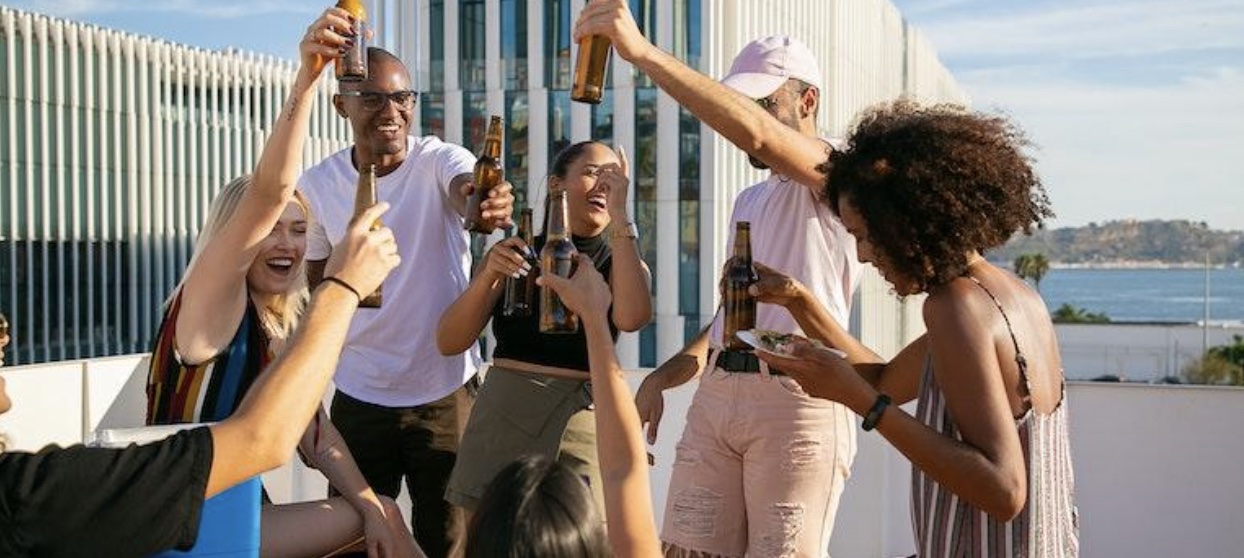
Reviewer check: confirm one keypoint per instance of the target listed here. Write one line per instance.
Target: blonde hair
(280, 316)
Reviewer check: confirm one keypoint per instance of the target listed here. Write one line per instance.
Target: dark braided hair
(933, 183)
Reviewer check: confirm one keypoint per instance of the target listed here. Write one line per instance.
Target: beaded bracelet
(874, 414)
(332, 279)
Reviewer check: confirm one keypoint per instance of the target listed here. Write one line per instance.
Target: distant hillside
(1130, 242)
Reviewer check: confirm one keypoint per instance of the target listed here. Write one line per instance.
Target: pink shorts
(759, 469)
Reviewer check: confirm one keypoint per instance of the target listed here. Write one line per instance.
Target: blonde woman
(238, 303)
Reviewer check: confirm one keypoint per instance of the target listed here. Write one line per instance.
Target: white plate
(752, 338)
(747, 336)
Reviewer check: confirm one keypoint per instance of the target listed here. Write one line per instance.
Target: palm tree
(1032, 266)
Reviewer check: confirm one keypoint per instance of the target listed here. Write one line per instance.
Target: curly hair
(933, 183)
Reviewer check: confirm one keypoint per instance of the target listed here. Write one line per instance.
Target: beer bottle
(519, 292)
(365, 197)
(738, 303)
(557, 258)
(352, 66)
(488, 174)
(589, 69)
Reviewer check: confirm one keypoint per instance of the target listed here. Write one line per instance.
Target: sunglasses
(767, 103)
(376, 100)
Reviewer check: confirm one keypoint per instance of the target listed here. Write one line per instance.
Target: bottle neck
(524, 227)
(492, 148)
(365, 195)
(559, 215)
(743, 245)
(492, 139)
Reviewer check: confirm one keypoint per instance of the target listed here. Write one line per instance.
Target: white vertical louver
(112, 147)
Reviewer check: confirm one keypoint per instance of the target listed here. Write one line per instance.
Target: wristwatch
(627, 231)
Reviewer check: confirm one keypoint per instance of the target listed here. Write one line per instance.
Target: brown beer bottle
(352, 66)
(557, 258)
(365, 197)
(738, 303)
(488, 174)
(520, 292)
(589, 69)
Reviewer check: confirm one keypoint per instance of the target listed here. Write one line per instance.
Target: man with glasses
(761, 465)
(400, 404)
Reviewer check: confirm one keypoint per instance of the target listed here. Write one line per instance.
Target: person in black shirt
(535, 399)
(140, 500)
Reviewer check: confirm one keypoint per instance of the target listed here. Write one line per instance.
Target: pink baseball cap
(765, 64)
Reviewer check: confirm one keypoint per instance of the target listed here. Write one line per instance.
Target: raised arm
(736, 117)
(213, 295)
(463, 320)
(262, 433)
(623, 461)
(629, 277)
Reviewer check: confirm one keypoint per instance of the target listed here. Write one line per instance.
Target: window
(557, 25)
(471, 32)
(514, 45)
(516, 124)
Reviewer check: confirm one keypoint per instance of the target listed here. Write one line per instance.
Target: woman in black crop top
(536, 399)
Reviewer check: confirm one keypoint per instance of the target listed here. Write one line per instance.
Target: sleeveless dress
(1047, 527)
(211, 390)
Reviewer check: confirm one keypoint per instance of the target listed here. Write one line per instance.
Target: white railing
(1158, 468)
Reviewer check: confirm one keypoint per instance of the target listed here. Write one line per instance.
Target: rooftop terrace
(1159, 469)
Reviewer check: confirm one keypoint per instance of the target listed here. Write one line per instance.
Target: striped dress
(1047, 527)
(209, 391)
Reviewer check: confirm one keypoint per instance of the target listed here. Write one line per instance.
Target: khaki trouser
(520, 413)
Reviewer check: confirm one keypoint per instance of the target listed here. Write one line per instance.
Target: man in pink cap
(761, 464)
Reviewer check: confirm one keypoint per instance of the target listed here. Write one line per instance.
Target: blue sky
(1137, 106)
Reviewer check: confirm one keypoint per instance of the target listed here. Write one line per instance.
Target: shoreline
(1131, 265)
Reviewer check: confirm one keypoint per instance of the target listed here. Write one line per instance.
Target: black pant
(415, 443)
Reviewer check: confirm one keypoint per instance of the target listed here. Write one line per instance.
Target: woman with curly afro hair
(926, 190)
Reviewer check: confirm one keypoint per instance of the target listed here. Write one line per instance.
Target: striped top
(1047, 527)
(208, 391)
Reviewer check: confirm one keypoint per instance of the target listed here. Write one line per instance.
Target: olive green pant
(521, 413)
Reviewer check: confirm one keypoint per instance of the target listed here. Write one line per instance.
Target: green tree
(1068, 314)
(1033, 265)
(1222, 365)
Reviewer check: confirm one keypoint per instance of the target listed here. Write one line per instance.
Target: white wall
(1135, 352)
(1158, 468)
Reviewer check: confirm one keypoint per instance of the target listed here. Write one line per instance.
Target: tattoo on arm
(291, 107)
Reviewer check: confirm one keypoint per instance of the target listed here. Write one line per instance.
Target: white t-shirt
(798, 235)
(390, 357)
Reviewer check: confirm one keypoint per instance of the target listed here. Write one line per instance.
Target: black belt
(741, 361)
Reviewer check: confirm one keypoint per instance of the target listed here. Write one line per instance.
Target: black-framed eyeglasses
(375, 100)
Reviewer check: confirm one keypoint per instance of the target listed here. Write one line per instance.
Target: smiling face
(379, 134)
(867, 252)
(586, 197)
(278, 263)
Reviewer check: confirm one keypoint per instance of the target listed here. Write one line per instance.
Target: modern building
(514, 58)
(112, 145)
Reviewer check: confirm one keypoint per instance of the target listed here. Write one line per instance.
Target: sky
(1136, 106)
